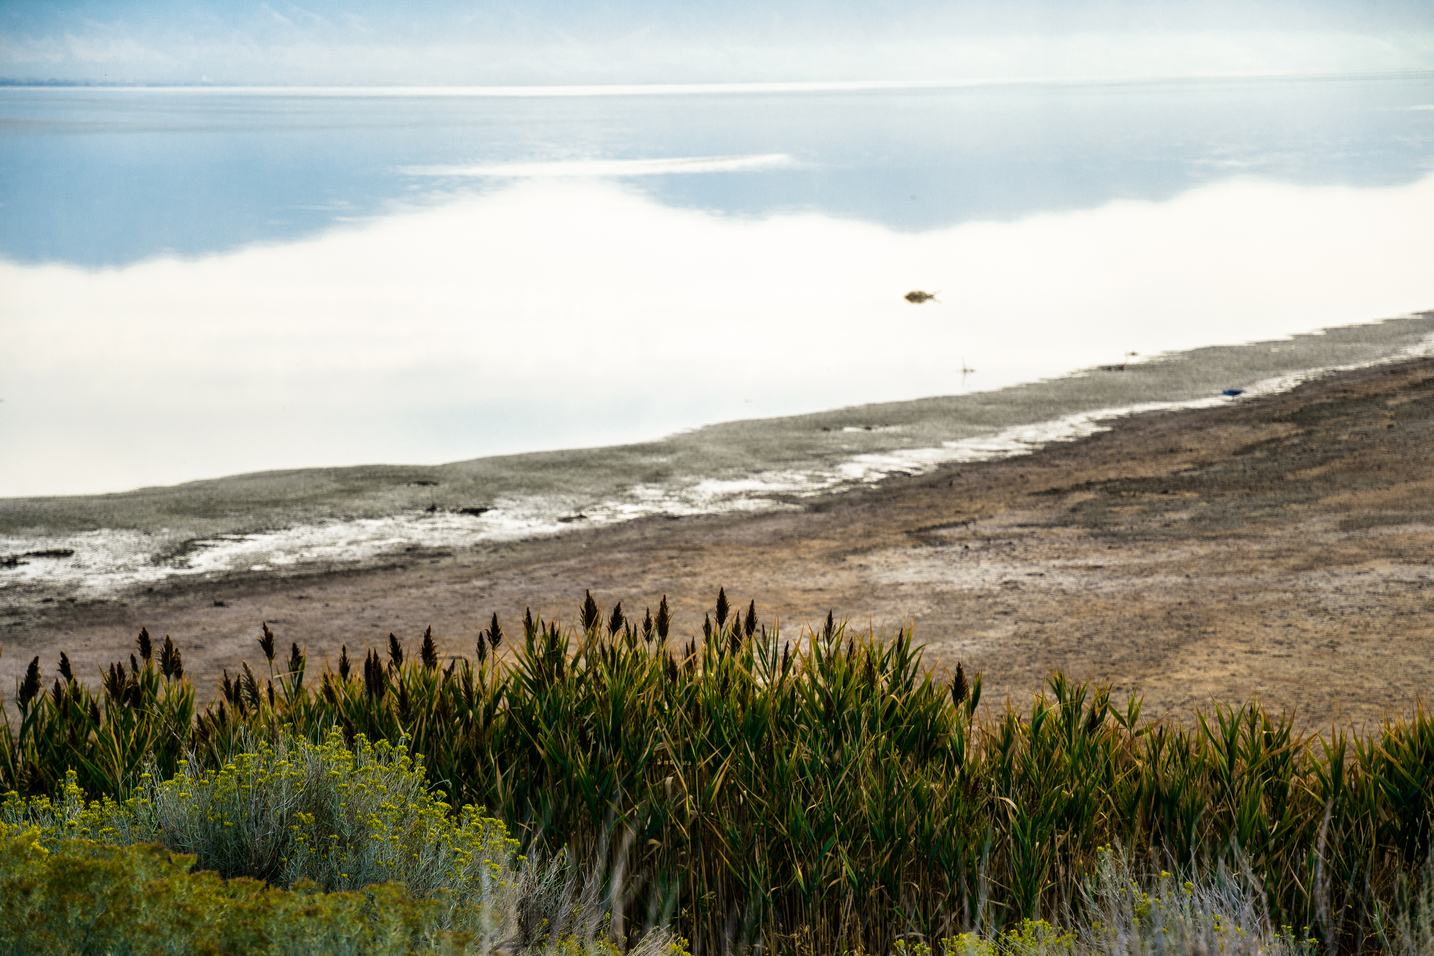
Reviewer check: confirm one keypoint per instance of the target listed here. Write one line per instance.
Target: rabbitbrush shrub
(294, 810)
(85, 897)
(377, 864)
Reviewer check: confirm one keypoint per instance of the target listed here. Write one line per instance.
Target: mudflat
(1278, 548)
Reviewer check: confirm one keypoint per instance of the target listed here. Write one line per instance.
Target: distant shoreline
(756, 86)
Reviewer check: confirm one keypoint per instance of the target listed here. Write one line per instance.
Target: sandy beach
(1276, 548)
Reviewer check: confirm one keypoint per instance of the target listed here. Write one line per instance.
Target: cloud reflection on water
(560, 313)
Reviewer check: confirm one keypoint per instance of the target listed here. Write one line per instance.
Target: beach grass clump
(820, 791)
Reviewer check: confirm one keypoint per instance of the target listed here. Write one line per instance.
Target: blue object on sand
(1232, 392)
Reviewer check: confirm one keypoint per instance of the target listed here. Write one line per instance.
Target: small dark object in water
(431, 509)
(423, 484)
(50, 553)
(916, 296)
(219, 603)
(1110, 368)
(11, 561)
(1232, 392)
(475, 512)
(566, 519)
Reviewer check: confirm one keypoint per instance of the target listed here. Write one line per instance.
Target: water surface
(198, 283)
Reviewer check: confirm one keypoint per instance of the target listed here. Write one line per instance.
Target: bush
(85, 897)
(376, 862)
(342, 818)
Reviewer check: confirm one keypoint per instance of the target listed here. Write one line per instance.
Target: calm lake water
(202, 282)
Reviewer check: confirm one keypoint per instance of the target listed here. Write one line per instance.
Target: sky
(562, 42)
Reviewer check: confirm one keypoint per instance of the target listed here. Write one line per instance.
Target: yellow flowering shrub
(339, 817)
(87, 897)
(1030, 938)
(373, 862)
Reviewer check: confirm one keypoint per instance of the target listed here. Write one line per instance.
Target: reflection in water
(107, 177)
(559, 313)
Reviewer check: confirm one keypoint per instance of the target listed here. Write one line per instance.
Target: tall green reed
(759, 788)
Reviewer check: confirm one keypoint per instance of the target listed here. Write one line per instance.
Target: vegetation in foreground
(821, 793)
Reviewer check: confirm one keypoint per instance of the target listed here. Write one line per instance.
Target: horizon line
(679, 89)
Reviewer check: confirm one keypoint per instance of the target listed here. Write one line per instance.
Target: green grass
(822, 792)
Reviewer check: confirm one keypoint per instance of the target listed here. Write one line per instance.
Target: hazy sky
(621, 41)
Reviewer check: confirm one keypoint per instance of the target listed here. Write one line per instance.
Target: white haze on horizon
(661, 41)
(576, 313)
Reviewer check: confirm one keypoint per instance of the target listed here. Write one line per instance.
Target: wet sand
(1277, 548)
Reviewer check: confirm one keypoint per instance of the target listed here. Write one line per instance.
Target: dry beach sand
(1277, 548)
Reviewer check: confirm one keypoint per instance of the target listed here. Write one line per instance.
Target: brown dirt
(1277, 548)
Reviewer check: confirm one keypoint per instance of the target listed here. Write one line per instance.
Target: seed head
(266, 641)
(170, 661)
(375, 681)
(722, 606)
(395, 651)
(251, 685)
(429, 651)
(664, 619)
(590, 613)
(65, 670)
(113, 681)
(960, 687)
(146, 648)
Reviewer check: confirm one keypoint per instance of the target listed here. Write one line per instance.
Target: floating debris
(1117, 368)
(1232, 392)
(917, 297)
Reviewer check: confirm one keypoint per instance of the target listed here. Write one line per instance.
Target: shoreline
(1273, 548)
(92, 547)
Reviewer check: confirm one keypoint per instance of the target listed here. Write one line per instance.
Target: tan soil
(1277, 548)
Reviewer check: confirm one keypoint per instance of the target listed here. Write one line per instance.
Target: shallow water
(99, 546)
(199, 283)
